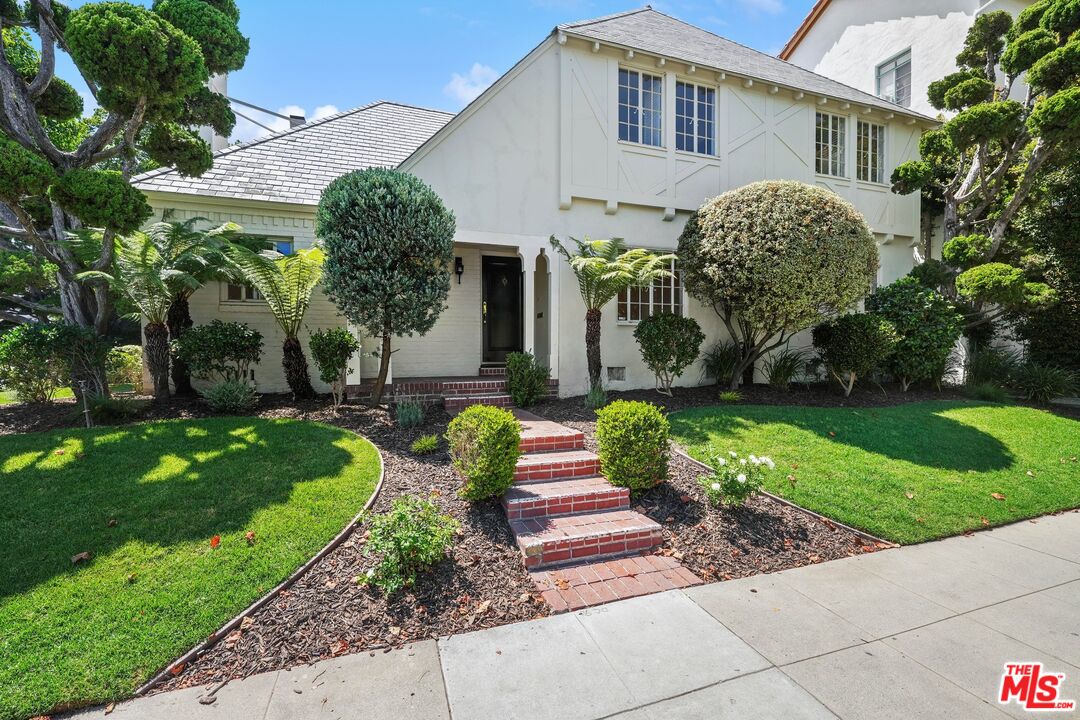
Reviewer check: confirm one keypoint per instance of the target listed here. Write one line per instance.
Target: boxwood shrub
(484, 446)
(633, 440)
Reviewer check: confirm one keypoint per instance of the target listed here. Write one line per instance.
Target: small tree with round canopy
(389, 244)
(774, 258)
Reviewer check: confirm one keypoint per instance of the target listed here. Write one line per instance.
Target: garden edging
(860, 533)
(234, 623)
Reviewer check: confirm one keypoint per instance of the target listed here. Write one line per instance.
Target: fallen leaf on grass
(985, 521)
(909, 495)
(131, 578)
(1030, 474)
(832, 434)
(215, 541)
(81, 557)
(59, 452)
(109, 708)
(997, 496)
(111, 522)
(250, 537)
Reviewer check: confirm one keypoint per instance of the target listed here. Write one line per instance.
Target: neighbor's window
(246, 293)
(870, 152)
(695, 118)
(664, 295)
(831, 144)
(641, 106)
(894, 79)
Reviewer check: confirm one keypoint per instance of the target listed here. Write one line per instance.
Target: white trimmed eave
(746, 80)
(162, 199)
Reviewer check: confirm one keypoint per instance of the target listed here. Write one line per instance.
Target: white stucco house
(891, 49)
(614, 127)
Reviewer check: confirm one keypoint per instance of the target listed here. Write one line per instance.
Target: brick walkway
(581, 541)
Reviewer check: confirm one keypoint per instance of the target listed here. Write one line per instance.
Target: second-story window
(870, 152)
(641, 107)
(695, 118)
(894, 79)
(831, 145)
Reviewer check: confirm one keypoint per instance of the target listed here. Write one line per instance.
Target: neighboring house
(614, 127)
(891, 49)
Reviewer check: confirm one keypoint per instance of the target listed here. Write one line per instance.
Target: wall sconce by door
(459, 269)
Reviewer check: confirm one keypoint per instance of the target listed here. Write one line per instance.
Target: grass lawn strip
(907, 473)
(146, 501)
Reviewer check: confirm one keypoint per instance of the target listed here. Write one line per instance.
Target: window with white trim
(831, 145)
(246, 293)
(870, 152)
(695, 118)
(664, 295)
(641, 107)
(894, 79)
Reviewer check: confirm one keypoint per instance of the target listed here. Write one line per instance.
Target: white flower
(733, 454)
(768, 463)
(371, 573)
(742, 461)
(715, 486)
(754, 460)
(721, 461)
(741, 478)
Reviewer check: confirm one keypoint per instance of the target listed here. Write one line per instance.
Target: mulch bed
(484, 583)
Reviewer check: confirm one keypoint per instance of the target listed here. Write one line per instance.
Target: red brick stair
(575, 530)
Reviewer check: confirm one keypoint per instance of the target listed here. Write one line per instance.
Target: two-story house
(614, 127)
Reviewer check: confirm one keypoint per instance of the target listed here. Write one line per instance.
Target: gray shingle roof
(653, 32)
(293, 166)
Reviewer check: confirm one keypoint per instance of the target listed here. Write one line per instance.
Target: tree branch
(32, 306)
(997, 233)
(47, 33)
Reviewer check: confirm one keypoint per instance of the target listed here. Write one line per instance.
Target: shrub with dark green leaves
(113, 410)
(633, 444)
(332, 349)
(669, 344)
(526, 379)
(1043, 383)
(484, 446)
(784, 366)
(409, 539)
(30, 363)
(232, 397)
(220, 350)
(987, 392)
(994, 366)
(720, 361)
(101, 199)
(927, 324)
(854, 346)
(124, 366)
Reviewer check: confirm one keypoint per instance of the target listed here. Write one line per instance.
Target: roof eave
(807, 24)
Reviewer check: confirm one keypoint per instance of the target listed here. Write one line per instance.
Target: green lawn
(145, 502)
(859, 466)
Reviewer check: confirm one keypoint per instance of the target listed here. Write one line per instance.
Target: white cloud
(466, 88)
(246, 130)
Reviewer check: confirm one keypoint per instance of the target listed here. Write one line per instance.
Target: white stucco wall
(853, 37)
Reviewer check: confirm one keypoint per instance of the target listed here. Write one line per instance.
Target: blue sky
(319, 56)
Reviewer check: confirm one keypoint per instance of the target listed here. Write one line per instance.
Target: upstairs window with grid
(695, 118)
(831, 142)
(894, 79)
(870, 152)
(664, 295)
(641, 107)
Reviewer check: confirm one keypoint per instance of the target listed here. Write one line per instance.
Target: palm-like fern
(286, 284)
(604, 268)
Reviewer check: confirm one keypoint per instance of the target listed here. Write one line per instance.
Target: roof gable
(295, 165)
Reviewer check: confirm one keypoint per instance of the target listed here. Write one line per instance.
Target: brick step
(573, 587)
(549, 541)
(544, 435)
(558, 465)
(564, 497)
(457, 403)
(448, 388)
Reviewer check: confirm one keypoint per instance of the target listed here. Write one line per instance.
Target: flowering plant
(734, 479)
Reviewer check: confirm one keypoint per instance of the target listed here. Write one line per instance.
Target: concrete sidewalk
(918, 632)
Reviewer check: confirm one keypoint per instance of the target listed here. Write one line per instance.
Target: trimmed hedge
(484, 446)
(526, 379)
(633, 439)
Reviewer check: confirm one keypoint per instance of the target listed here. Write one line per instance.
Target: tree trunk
(179, 320)
(296, 370)
(156, 350)
(592, 347)
(384, 369)
(79, 306)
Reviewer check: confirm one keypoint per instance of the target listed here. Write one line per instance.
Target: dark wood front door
(502, 307)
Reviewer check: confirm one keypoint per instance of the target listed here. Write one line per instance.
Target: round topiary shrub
(633, 440)
(774, 258)
(484, 446)
(669, 344)
(855, 345)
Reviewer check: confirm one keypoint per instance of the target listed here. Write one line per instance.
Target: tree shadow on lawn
(162, 484)
(916, 433)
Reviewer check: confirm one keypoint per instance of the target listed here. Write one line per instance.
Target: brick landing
(579, 538)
